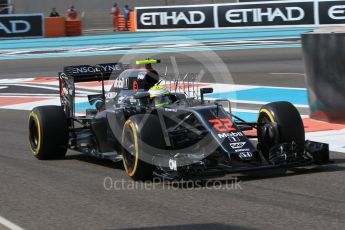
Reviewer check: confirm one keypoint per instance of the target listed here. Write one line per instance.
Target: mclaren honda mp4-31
(189, 137)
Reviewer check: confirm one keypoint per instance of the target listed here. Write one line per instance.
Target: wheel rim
(263, 136)
(263, 120)
(129, 153)
(34, 134)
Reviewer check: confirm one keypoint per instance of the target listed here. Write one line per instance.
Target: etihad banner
(179, 17)
(266, 14)
(21, 25)
(331, 12)
(250, 14)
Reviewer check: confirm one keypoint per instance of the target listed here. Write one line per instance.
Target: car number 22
(222, 125)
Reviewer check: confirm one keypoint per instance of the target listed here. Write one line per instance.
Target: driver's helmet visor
(161, 101)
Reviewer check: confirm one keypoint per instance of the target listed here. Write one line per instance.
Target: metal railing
(6, 8)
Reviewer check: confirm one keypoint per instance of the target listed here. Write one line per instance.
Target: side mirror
(205, 91)
(225, 103)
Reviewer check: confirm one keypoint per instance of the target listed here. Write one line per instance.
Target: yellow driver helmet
(159, 95)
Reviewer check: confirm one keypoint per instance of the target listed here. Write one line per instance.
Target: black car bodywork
(186, 139)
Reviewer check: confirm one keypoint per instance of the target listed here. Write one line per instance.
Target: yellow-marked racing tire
(48, 132)
(136, 160)
(279, 122)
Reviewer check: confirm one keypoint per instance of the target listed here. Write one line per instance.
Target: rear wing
(86, 73)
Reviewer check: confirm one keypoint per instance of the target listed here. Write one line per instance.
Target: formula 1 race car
(176, 137)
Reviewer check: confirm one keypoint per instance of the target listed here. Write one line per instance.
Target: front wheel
(142, 137)
(278, 123)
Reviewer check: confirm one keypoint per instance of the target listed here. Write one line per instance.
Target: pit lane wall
(235, 15)
(324, 56)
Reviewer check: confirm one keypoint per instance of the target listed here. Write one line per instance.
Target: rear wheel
(48, 132)
(279, 122)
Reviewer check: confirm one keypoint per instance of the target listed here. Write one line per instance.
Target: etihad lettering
(288, 14)
(172, 18)
(16, 27)
(337, 12)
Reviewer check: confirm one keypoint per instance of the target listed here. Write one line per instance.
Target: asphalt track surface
(71, 194)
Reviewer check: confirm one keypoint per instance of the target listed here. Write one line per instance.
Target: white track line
(8, 224)
(49, 87)
(262, 103)
(301, 74)
(27, 95)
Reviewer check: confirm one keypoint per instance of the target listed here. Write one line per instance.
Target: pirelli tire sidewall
(148, 138)
(48, 132)
(288, 121)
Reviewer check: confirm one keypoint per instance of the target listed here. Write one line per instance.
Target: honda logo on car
(245, 155)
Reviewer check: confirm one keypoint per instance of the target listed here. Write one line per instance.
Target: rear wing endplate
(83, 73)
